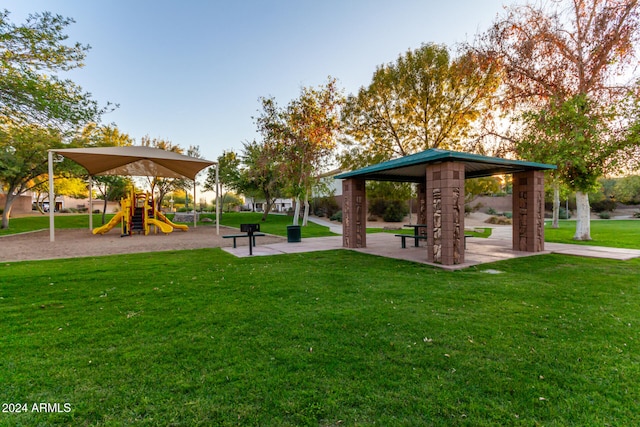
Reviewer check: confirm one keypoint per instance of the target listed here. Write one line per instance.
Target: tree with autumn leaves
(300, 139)
(297, 142)
(552, 70)
(428, 98)
(564, 66)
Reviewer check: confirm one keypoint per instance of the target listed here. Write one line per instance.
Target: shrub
(603, 205)
(325, 206)
(492, 211)
(498, 220)
(563, 213)
(636, 214)
(377, 207)
(604, 215)
(395, 212)
(336, 216)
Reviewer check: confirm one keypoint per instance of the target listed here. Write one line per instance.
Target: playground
(139, 215)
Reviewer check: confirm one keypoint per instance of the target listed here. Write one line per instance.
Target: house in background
(255, 204)
(26, 204)
(330, 187)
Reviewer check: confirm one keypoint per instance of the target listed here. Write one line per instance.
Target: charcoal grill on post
(250, 229)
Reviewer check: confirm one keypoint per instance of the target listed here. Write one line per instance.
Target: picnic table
(417, 236)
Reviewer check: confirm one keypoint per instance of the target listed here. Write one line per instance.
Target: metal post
(217, 200)
(194, 202)
(52, 208)
(90, 203)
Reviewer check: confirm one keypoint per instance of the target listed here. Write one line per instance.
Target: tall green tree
(563, 63)
(71, 186)
(229, 177)
(31, 56)
(627, 189)
(161, 186)
(262, 175)
(111, 188)
(23, 159)
(426, 99)
(36, 105)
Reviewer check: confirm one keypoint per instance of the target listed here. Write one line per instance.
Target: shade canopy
(135, 161)
(131, 161)
(412, 168)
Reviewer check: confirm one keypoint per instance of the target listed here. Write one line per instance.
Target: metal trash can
(294, 233)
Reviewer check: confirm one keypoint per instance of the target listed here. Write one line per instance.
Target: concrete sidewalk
(333, 227)
(479, 250)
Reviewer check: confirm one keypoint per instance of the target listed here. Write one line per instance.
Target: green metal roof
(412, 168)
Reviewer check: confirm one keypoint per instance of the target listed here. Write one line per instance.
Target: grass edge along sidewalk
(275, 224)
(333, 338)
(608, 233)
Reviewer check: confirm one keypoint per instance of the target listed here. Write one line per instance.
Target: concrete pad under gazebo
(440, 175)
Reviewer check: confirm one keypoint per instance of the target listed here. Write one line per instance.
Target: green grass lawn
(275, 224)
(40, 222)
(611, 233)
(333, 338)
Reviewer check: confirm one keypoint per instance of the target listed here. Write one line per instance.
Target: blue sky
(192, 71)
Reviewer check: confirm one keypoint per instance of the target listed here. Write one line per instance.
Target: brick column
(528, 211)
(354, 213)
(422, 206)
(445, 213)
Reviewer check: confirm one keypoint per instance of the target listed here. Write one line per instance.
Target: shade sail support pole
(195, 220)
(217, 199)
(91, 203)
(52, 202)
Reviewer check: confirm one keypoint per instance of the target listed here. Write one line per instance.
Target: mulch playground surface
(82, 243)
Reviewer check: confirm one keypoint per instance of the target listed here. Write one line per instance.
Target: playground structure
(139, 214)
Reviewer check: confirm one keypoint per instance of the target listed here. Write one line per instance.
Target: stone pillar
(528, 211)
(422, 206)
(354, 213)
(445, 213)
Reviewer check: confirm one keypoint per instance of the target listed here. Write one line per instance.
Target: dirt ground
(82, 243)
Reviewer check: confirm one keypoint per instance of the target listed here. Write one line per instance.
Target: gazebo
(130, 161)
(440, 175)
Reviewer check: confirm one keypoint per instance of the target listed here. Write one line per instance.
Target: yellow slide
(163, 226)
(108, 226)
(163, 218)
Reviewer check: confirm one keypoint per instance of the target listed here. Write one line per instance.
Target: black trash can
(294, 233)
